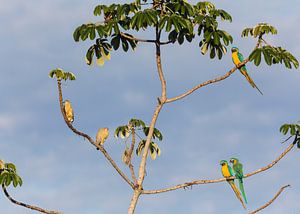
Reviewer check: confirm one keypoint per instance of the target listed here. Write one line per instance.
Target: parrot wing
(230, 170)
(241, 57)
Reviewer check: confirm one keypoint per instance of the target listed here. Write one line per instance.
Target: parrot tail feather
(241, 185)
(237, 193)
(250, 80)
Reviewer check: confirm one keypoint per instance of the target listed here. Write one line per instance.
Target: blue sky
(63, 172)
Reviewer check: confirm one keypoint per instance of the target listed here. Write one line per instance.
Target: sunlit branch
(130, 157)
(197, 182)
(27, 205)
(271, 201)
(208, 82)
(100, 147)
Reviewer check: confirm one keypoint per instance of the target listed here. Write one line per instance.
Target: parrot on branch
(101, 136)
(238, 172)
(227, 172)
(237, 59)
(68, 110)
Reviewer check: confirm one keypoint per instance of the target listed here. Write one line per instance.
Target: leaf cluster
(259, 30)
(136, 126)
(8, 175)
(60, 74)
(292, 129)
(178, 18)
(272, 55)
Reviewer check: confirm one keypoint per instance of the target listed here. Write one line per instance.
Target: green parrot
(237, 59)
(238, 172)
(227, 172)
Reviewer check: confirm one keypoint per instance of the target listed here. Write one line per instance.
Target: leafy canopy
(136, 126)
(180, 20)
(272, 55)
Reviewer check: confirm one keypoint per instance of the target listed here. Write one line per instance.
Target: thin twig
(287, 139)
(27, 205)
(99, 146)
(136, 39)
(271, 201)
(197, 182)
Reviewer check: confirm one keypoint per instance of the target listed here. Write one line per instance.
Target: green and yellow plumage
(227, 172)
(237, 59)
(238, 172)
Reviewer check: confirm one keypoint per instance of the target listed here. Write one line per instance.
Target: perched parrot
(2, 165)
(227, 172)
(101, 136)
(68, 110)
(238, 172)
(237, 59)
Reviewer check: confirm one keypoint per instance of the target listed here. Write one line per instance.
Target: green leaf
(212, 52)
(8, 180)
(204, 48)
(257, 58)
(11, 166)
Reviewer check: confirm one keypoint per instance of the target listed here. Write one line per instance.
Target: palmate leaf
(154, 150)
(9, 176)
(61, 74)
(259, 30)
(274, 55)
(136, 123)
(290, 128)
(156, 133)
(122, 131)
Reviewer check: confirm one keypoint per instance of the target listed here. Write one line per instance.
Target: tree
(172, 21)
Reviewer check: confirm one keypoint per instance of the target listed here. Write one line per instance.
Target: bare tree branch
(130, 157)
(100, 147)
(218, 79)
(197, 182)
(27, 205)
(271, 201)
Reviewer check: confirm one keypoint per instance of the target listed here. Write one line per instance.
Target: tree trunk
(134, 200)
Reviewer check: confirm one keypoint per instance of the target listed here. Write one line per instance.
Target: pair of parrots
(237, 171)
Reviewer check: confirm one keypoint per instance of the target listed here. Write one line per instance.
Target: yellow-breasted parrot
(238, 172)
(68, 110)
(227, 172)
(102, 135)
(237, 59)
